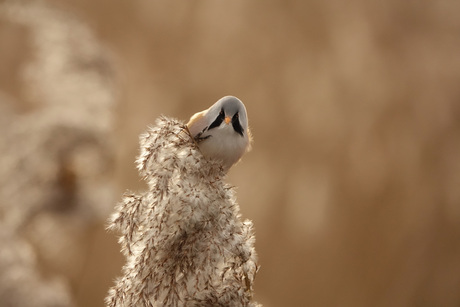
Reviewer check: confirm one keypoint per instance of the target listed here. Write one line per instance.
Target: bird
(221, 131)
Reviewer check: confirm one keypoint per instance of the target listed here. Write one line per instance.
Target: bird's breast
(224, 144)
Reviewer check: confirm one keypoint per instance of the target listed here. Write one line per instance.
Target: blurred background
(353, 183)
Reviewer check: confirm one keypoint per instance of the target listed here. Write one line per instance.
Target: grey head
(228, 108)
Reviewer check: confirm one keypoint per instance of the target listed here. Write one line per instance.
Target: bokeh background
(353, 183)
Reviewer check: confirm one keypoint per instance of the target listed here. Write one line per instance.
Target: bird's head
(222, 131)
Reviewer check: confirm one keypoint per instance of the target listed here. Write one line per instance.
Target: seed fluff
(184, 241)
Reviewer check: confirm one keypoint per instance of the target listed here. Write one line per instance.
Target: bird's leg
(198, 138)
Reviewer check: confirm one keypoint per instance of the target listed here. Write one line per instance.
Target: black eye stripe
(220, 118)
(236, 124)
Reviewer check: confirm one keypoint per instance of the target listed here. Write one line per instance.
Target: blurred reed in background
(353, 179)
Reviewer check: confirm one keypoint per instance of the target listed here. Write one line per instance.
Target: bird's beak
(227, 120)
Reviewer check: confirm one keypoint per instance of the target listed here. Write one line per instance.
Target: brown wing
(197, 123)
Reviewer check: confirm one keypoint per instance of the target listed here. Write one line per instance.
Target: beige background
(353, 183)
